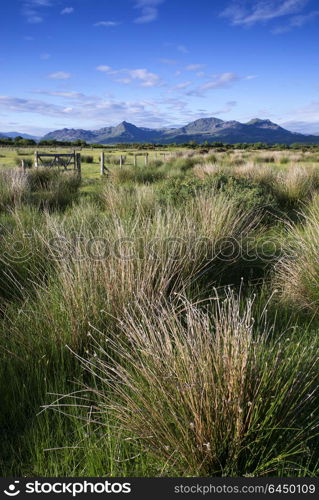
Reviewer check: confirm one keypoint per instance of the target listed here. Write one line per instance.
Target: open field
(162, 320)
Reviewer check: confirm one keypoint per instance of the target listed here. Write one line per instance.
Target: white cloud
(126, 76)
(149, 10)
(67, 10)
(45, 56)
(106, 23)
(59, 75)
(104, 69)
(249, 12)
(147, 78)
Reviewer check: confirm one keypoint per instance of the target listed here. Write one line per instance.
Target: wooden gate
(62, 161)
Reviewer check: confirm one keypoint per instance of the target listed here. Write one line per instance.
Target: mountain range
(12, 135)
(202, 130)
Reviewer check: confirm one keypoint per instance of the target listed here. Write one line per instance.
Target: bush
(87, 158)
(250, 194)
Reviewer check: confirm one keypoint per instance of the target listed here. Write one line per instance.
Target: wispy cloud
(171, 62)
(45, 56)
(249, 12)
(143, 76)
(30, 106)
(296, 22)
(106, 23)
(302, 127)
(220, 81)
(148, 10)
(59, 75)
(183, 49)
(61, 93)
(91, 108)
(194, 67)
(32, 10)
(101, 111)
(183, 85)
(67, 10)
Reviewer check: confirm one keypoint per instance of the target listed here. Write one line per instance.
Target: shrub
(87, 158)
(250, 194)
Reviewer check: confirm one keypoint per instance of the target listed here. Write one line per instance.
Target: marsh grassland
(161, 320)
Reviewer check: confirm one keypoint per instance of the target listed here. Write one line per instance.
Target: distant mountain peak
(204, 129)
(264, 123)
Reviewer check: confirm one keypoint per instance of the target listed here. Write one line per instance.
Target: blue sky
(157, 63)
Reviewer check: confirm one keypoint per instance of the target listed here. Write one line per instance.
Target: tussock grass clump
(297, 274)
(14, 189)
(99, 262)
(122, 258)
(296, 185)
(28, 162)
(138, 175)
(24, 259)
(114, 160)
(205, 393)
(123, 201)
(53, 189)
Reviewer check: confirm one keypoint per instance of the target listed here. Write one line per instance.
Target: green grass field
(161, 320)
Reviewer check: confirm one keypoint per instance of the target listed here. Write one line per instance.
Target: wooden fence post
(36, 159)
(78, 163)
(102, 163)
(135, 163)
(23, 165)
(121, 161)
(146, 159)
